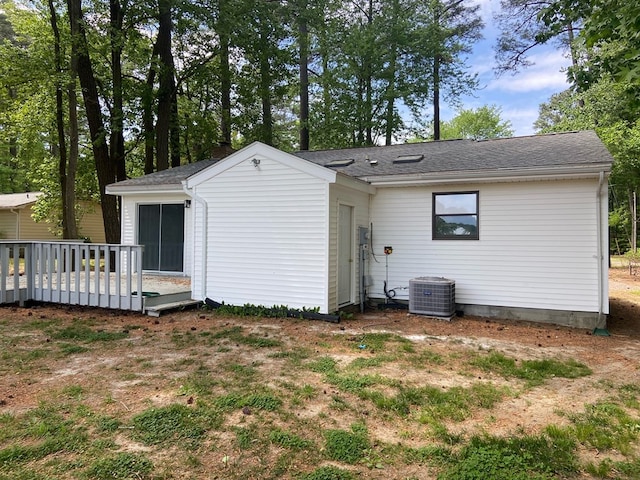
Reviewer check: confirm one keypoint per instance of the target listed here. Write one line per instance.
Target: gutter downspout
(205, 220)
(17, 212)
(601, 323)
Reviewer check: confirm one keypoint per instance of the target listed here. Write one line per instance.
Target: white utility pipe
(205, 217)
(600, 251)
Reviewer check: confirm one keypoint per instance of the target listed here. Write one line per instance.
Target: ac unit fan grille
(434, 296)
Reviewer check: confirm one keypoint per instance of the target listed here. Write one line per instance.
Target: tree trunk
(166, 86)
(66, 172)
(174, 130)
(225, 76)
(265, 90)
(117, 114)
(303, 45)
(104, 168)
(147, 114)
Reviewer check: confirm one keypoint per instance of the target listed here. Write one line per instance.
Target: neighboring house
(519, 224)
(16, 221)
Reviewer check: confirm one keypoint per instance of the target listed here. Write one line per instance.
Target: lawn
(91, 394)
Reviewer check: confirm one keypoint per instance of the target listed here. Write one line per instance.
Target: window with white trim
(455, 216)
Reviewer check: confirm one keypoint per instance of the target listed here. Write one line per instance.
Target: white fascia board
(143, 189)
(355, 184)
(490, 176)
(261, 151)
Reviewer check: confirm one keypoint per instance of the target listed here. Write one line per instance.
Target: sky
(519, 95)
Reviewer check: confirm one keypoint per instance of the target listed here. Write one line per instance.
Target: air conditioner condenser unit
(434, 296)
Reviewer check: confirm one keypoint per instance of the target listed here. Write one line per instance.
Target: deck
(99, 275)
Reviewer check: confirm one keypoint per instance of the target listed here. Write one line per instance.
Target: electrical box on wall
(363, 235)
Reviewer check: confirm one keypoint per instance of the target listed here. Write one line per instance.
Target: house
(519, 224)
(16, 221)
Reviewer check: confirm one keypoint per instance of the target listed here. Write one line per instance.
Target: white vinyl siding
(537, 246)
(266, 236)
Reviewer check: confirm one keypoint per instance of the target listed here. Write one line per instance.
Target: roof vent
(408, 159)
(345, 162)
(372, 161)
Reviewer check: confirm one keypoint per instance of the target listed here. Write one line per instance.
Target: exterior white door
(345, 255)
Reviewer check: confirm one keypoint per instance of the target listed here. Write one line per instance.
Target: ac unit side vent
(435, 296)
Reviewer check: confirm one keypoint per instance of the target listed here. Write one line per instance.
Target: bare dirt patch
(159, 362)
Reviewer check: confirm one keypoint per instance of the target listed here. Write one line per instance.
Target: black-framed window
(455, 216)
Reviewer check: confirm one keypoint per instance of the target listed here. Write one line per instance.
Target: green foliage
(48, 432)
(82, 333)
(289, 440)
(246, 437)
(535, 372)
(328, 473)
(482, 123)
(517, 458)
(250, 310)
(174, 424)
(260, 401)
(347, 446)
(606, 426)
(122, 466)
(72, 349)
(326, 365)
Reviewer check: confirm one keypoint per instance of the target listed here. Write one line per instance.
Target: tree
(480, 124)
(522, 28)
(454, 28)
(604, 108)
(68, 161)
(610, 32)
(105, 170)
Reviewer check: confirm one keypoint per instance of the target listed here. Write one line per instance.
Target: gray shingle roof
(17, 200)
(170, 177)
(537, 151)
(560, 150)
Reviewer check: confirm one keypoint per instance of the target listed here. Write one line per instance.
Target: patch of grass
(106, 423)
(629, 395)
(378, 341)
(121, 466)
(73, 391)
(82, 333)
(324, 365)
(247, 438)
(235, 334)
(426, 357)
(175, 423)
(44, 431)
(71, 349)
(606, 426)
(352, 382)
(199, 382)
(260, 401)
(328, 473)
(289, 440)
(371, 362)
(516, 458)
(295, 356)
(535, 372)
(347, 446)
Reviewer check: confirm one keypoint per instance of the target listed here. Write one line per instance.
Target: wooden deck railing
(73, 273)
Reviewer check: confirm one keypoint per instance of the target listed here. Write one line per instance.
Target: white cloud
(547, 73)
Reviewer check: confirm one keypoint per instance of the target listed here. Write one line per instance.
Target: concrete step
(157, 310)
